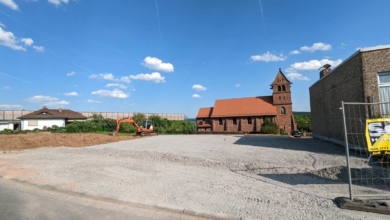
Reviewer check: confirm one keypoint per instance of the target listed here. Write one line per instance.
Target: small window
(203, 119)
(249, 120)
(279, 88)
(234, 121)
(220, 121)
(282, 111)
(283, 88)
(32, 123)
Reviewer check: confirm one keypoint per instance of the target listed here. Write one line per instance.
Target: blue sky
(174, 56)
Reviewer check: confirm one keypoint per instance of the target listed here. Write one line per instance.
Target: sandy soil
(36, 140)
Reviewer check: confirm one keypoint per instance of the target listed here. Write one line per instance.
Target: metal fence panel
(367, 142)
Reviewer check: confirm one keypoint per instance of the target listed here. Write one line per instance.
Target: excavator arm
(130, 120)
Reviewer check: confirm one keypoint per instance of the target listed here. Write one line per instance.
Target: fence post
(347, 152)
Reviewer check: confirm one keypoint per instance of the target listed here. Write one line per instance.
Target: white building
(6, 124)
(46, 118)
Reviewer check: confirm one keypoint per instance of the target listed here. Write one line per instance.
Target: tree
(97, 122)
(139, 118)
(269, 127)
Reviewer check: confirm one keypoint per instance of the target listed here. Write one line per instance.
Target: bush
(36, 130)
(127, 127)
(283, 132)
(269, 127)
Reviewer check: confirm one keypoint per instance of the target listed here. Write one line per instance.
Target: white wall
(6, 126)
(41, 123)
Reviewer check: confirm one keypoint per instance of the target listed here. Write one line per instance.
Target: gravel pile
(247, 176)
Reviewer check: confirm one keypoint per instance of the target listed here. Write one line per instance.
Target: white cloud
(316, 46)
(27, 41)
(105, 76)
(7, 106)
(57, 103)
(198, 87)
(71, 94)
(297, 76)
(93, 101)
(155, 77)
(157, 64)
(125, 79)
(6, 87)
(121, 86)
(268, 57)
(196, 96)
(116, 93)
(2, 25)
(58, 2)
(10, 3)
(295, 52)
(41, 98)
(71, 73)
(313, 64)
(237, 85)
(9, 40)
(110, 76)
(39, 48)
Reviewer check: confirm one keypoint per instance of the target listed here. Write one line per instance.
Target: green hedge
(269, 127)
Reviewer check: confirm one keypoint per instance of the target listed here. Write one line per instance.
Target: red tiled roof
(53, 113)
(205, 112)
(252, 106)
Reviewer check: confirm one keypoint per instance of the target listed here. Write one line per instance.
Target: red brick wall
(241, 125)
(284, 121)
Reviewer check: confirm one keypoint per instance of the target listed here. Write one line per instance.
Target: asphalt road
(23, 201)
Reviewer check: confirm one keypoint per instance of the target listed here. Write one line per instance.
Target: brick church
(247, 114)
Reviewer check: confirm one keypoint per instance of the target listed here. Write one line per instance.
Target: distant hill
(301, 113)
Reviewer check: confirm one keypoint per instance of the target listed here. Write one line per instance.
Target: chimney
(60, 110)
(44, 107)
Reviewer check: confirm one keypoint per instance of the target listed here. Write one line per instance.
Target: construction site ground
(250, 177)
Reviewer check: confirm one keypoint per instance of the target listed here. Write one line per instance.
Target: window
(234, 121)
(282, 111)
(279, 88)
(249, 120)
(283, 88)
(32, 123)
(384, 92)
(220, 121)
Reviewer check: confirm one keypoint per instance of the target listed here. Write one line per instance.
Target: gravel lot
(253, 177)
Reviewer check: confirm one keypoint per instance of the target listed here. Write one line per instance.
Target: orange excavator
(145, 129)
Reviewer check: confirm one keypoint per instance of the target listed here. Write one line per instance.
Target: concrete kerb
(202, 214)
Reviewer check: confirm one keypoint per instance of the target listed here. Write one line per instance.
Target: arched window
(283, 88)
(282, 111)
(279, 88)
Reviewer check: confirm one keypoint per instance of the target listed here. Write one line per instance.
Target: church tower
(281, 96)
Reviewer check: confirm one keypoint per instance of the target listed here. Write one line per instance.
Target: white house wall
(6, 126)
(42, 123)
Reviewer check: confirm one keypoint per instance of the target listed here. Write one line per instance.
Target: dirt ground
(36, 140)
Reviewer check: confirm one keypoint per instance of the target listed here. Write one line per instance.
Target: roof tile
(252, 106)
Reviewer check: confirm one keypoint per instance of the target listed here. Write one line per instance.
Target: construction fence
(367, 144)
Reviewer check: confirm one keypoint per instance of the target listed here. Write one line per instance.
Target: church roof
(251, 106)
(205, 112)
